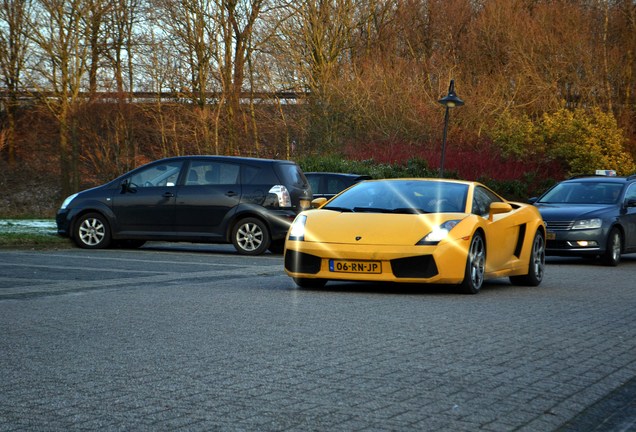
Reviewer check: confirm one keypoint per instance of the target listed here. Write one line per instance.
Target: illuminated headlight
(67, 201)
(297, 230)
(438, 233)
(587, 224)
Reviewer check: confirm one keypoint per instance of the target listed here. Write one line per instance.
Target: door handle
(168, 195)
(231, 193)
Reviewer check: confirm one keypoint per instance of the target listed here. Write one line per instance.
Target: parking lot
(196, 337)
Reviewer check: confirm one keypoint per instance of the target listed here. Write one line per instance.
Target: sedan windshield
(402, 196)
(583, 193)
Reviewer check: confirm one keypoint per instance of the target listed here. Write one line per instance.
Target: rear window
(258, 175)
(291, 174)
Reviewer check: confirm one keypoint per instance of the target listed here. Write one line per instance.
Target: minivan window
(212, 173)
(257, 175)
(292, 174)
(164, 174)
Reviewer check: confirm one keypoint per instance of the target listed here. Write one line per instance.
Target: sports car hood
(371, 228)
(560, 212)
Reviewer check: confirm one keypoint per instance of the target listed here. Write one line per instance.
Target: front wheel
(475, 265)
(250, 236)
(612, 255)
(536, 264)
(92, 232)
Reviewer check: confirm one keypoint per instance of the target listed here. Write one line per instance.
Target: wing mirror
(318, 202)
(127, 186)
(498, 208)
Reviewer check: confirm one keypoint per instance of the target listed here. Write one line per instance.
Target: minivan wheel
(250, 236)
(92, 232)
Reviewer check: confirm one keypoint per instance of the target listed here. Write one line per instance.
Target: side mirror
(498, 208)
(533, 200)
(631, 203)
(318, 202)
(127, 186)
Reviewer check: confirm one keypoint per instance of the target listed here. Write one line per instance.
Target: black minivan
(248, 202)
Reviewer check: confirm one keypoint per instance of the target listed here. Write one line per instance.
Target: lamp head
(451, 100)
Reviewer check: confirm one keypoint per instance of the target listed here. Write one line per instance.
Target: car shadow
(388, 288)
(586, 261)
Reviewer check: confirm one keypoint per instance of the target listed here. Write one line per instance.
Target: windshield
(402, 196)
(583, 193)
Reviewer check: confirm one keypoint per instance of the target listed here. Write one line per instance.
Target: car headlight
(297, 230)
(587, 224)
(439, 233)
(67, 201)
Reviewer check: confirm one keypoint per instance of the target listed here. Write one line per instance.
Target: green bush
(415, 167)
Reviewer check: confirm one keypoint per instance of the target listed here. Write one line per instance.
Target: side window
(631, 192)
(335, 185)
(314, 182)
(165, 174)
(212, 173)
(482, 199)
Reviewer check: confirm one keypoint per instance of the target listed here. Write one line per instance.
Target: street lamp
(449, 101)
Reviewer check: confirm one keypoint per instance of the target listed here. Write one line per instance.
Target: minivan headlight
(587, 224)
(67, 201)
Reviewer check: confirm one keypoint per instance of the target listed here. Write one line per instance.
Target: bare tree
(14, 16)
(58, 29)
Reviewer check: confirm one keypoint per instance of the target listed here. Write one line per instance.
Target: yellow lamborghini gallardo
(417, 231)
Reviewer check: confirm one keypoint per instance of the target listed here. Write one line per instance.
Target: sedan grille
(559, 225)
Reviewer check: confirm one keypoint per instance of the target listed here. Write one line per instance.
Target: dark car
(248, 202)
(591, 216)
(327, 184)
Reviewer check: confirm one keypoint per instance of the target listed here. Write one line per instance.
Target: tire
(310, 283)
(613, 249)
(536, 264)
(92, 232)
(250, 236)
(475, 265)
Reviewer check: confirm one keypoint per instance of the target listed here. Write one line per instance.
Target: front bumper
(576, 242)
(444, 263)
(63, 221)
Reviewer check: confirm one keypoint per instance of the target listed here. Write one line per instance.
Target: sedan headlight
(297, 230)
(587, 224)
(67, 201)
(439, 233)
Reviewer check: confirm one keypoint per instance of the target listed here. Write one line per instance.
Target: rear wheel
(92, 232)
(536, 264)
(475, 265)
(310, 283)
(612, 255)
(250, 236)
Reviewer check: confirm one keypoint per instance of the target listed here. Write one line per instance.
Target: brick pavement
(152, 340)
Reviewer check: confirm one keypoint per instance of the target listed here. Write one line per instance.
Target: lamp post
(449, 101)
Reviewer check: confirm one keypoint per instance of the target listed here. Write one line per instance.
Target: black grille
(298, 262)
(559, 225)
(422, 266)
